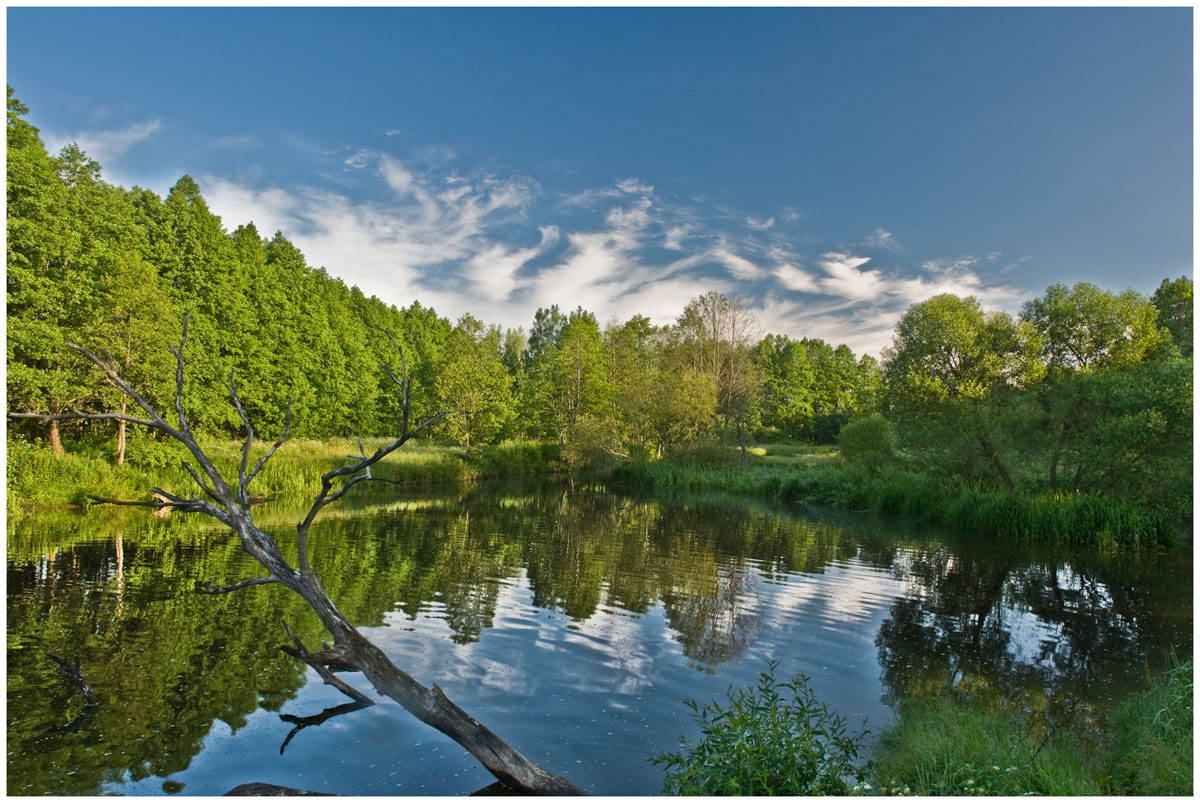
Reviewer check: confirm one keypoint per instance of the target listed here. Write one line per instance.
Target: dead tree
(230, 503)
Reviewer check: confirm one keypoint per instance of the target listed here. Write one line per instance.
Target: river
(574, 624)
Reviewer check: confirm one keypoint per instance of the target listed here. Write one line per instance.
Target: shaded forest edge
(1072, 421)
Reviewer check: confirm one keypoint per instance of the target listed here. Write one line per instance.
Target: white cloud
(844, 279)
(795, 279)
(464, 241)
(105, 146)
(674, 237)
(633, 186)
(739, 267)
(881, 239)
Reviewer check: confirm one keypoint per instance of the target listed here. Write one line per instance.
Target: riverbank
(776, 738)
(37, 478)
(1053, 518)
(940, 746)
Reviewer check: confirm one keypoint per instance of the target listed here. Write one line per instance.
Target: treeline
(1087, 391)
(118, 269)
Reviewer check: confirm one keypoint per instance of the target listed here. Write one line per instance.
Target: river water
(574, 624)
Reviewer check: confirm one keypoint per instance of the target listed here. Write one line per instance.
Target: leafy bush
(869, 442)
(704, 455)
(773, 738)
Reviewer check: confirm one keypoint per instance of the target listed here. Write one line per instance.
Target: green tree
(1088, 328)
(474, 382)
(949, 366)
(718, 335)
(787, 393)
(1173, 300)
(570, 393)
(1086, 331)
(49, 295)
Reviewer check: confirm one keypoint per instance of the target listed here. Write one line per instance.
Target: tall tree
(949, 359)
(475, 383)
(1088, 328)
(718, 333)
(1173, 300)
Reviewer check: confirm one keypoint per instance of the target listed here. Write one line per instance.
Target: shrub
(869, 442)
(773, 738)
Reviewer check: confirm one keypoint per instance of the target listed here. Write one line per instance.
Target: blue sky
(831, 167)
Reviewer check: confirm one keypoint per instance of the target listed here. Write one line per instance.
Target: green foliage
(1092, 521)
(772, 738)
(1088, 328)
(940, 746)
(474, 383)
(1173, 300)
(1153, 737)
(869, 442)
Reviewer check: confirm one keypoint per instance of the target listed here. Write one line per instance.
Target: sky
(830, 167)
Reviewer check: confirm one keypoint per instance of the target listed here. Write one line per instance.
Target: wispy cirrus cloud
(105, 146)
(499, 247)
(882, 239)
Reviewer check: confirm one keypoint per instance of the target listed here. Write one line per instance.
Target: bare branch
(253, 581)
(233, 394)
(178, 352)
(283, 436)
(76, 415)
(200, 482)
(73, 675)
(321, 663)
(116, 379)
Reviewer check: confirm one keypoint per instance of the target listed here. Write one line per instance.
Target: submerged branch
(73, 674)
(238, 586)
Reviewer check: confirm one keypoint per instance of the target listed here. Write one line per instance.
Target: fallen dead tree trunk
(230, 502)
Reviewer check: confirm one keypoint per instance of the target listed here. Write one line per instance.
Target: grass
(940, 746)
(776, 738)
(1102, 523)
(37, 477)
(1142, 747)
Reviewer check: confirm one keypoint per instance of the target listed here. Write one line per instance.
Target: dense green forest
(1087, 391)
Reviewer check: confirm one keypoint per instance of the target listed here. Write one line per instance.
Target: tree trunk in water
(430, 705)
(993, 454)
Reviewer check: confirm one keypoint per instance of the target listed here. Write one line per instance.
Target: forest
(1086, 391)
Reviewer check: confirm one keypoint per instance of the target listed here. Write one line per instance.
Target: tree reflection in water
(168, 664)
(1084, 628)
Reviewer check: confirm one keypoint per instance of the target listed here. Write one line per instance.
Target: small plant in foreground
(773, 738)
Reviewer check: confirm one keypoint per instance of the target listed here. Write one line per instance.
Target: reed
(1101, 523)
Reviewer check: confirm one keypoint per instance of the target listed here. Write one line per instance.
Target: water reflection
(574, 622)
(1077, 626)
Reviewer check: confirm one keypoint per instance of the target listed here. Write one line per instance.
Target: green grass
(1101, 523)
(1152, 738)
(942, 747)
(776, 738)
(37, 477)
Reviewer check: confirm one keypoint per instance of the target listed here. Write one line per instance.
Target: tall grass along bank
(1102, 523)
(38, 477)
